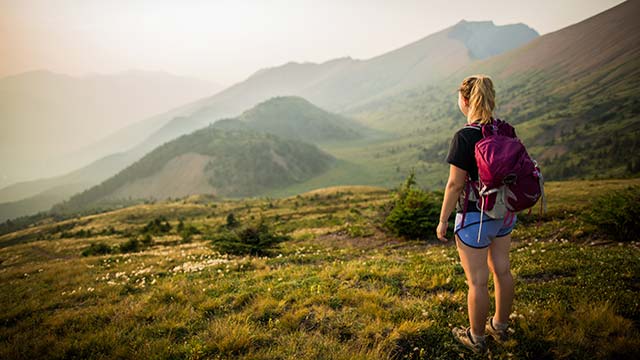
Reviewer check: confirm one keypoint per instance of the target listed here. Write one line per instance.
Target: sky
(227, 41)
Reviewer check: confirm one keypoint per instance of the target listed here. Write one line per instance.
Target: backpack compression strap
(466, 199)
(468, 183)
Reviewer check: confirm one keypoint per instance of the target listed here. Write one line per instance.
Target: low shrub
(147, 240)
(232, 222)
(616, 214)
(415, 212)
(254, 239)
(131, 245)
(98, 248)
(157, 226)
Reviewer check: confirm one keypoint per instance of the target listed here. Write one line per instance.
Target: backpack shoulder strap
(474, 126)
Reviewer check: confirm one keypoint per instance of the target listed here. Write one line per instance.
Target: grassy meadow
(341, 288)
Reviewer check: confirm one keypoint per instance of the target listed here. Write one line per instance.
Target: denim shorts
(491, 228)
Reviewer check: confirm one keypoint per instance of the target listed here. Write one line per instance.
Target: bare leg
(499, 264)
(474, 263)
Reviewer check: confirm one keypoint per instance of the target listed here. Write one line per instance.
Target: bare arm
(452, 191)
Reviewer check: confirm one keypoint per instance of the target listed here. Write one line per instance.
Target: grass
(381, 161)
(330, 293)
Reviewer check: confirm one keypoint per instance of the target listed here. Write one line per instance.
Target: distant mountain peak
(343, 59)
(290, 103)
(464, 22)
(284, 99)
(485, 39)
(297, 118)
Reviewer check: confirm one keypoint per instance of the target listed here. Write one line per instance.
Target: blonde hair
(478, 89)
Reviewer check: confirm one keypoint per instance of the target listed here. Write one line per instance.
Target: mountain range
(331, 85)
(569, 93)
(260, 150)
(54, 123)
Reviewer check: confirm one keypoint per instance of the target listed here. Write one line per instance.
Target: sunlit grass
(325, 294)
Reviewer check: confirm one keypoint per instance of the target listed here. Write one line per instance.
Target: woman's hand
(441, 232)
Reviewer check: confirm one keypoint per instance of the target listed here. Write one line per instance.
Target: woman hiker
(476, 100)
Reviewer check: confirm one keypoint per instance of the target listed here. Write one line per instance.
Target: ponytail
(478, 89)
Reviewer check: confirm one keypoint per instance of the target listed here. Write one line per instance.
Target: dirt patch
(182, 176)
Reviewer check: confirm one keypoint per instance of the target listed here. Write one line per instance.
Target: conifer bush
(131, 245)
(237, 238)
(616, 214)
(415, 212)
(98, 248)
(157, 226)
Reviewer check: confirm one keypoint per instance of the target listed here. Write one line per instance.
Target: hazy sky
(226, 41)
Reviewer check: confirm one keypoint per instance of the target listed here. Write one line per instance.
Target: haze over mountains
(333, 84)
(336, 84)
(260, 150)
(564, 90)
(50, 122)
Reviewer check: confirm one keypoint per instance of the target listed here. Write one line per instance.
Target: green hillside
(296, 118)
(236, 163)
(576, 112)
(340, 288)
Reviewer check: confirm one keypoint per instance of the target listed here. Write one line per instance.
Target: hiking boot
(499, 335)
(463, 335)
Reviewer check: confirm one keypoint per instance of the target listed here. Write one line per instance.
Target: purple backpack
(509, 179)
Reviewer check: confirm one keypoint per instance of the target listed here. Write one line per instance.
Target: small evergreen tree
(415, 212)
(232, 222)
(254, 239)
(99, 248)
(147, 240)
(131, 245)
(157, 226)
